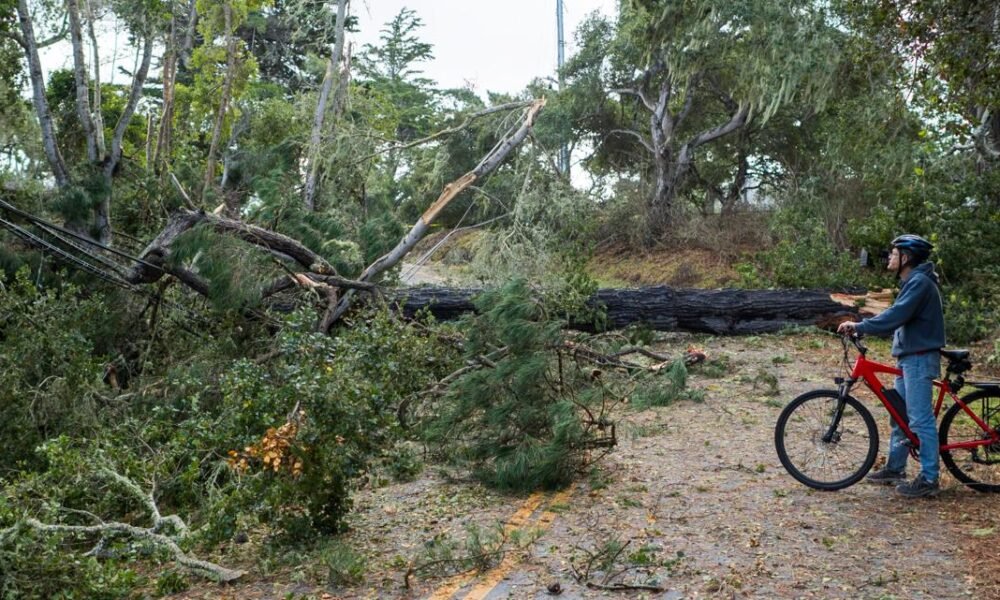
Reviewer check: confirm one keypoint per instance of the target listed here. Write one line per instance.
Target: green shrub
(803, 257)
(348, 389)
(50, 374)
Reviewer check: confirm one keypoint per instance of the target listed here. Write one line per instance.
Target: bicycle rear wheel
(979, 467)
(822, 465)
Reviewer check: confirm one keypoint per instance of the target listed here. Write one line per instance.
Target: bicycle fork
(843, 390)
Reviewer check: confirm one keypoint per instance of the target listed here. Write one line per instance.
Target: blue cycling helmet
(917, 247)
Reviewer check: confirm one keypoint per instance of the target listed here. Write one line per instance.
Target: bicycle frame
(868, 370)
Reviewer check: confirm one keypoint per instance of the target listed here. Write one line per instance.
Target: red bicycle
(828, 440)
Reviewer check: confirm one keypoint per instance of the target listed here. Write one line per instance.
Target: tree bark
(332, 72)
(98, 116)
(83, 111)
(312, 160)
(157, 250)
(227, 90)
(52, 154)
(161, 155)
(102, 220)
(719, 312)
(192, 22)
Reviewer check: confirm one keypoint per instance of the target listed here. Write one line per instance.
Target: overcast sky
(491, 45)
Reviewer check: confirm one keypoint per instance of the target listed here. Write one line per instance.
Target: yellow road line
(517, 520)
(496, 575)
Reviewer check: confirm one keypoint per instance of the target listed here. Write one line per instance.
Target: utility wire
(42, 222)
(82, 264)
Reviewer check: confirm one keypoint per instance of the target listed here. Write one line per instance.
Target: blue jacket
(916, 315)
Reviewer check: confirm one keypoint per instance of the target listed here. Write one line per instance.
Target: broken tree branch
(449, 130)
(159, 249)
(151, 534)
(202, 567)
(453, 189)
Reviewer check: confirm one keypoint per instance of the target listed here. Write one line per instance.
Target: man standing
(917, 320)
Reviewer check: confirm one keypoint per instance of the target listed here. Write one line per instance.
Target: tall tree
(141, 20)
(391, 74)
(223, 68)
(668, 79)
(951, 42)
(334, 71)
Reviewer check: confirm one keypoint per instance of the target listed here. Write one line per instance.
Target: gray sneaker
(918, 488)
(886, 477)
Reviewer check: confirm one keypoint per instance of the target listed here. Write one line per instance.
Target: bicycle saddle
(958, 361)
(955, 355)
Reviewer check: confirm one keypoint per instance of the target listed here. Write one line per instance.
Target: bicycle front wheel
(830, 465)
(977, 467)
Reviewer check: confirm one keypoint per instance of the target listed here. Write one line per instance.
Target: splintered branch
(452, 190)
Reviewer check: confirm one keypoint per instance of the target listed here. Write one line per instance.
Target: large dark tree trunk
(720, 312)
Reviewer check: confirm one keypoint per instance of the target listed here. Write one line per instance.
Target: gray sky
(494, 46)
(489, 45)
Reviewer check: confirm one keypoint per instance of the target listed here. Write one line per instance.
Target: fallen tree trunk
(720, 312)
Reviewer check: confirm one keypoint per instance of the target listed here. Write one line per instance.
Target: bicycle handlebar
(854, 338)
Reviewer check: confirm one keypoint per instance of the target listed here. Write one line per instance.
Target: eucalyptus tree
(668, 79)
(948, 53)
(334, 70)
(95, 174)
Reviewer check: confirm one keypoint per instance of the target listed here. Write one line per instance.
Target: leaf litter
(699, 498)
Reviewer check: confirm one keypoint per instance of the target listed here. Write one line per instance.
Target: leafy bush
(804, 257)
(50, 378)
(347, 388)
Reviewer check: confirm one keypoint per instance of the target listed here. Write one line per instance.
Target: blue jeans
(915, 386)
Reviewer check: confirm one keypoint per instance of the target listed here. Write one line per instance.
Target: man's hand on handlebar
(848, 328)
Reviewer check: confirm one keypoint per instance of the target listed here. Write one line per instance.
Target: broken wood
(158, 250)
(453, 189)
(719, 312)
(152, 264)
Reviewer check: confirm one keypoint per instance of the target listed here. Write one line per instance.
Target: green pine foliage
(665, 389)
(529, 419)
(232, 274)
